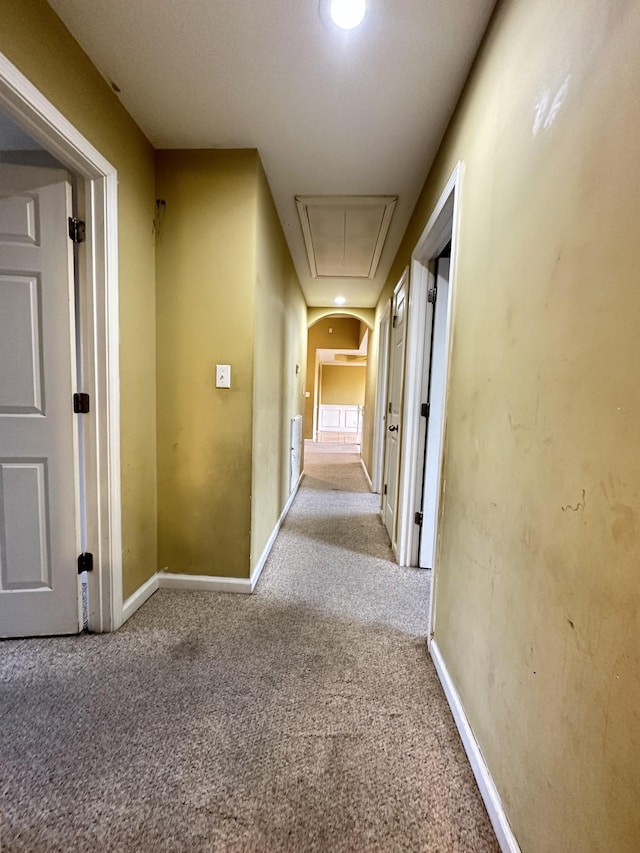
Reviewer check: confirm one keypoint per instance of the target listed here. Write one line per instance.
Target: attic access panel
(344, 235)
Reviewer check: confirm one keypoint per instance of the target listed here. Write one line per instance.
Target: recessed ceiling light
(347, 14)
(339, 300)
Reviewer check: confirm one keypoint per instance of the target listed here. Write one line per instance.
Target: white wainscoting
(339, 419)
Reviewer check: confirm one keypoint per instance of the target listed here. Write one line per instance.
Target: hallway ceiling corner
(332, 113)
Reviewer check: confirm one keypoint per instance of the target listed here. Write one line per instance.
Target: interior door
(381, 399)
(435, 424)
(394, 403)
(39, 510)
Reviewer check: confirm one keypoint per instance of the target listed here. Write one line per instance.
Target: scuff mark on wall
(580, 505)
(623, 528)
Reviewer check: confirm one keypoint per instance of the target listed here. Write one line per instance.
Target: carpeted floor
(307, 717)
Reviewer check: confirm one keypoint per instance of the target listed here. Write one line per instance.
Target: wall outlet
(223, 376)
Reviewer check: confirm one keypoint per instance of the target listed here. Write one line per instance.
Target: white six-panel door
(39, 536)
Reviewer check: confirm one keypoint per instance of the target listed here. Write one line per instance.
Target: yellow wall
(342, 385)
(206, 256)
(33, 38)
(345, 334)
(537, 595)
(280, 352)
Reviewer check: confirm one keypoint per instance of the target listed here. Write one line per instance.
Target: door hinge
(390, 408)
(432, 294)
(85, 562)
(394, 321)
(418, 519)
(385, 488)
(81, 404)
(77, 230)
(425, 408)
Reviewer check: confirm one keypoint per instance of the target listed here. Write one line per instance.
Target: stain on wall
(537, 609)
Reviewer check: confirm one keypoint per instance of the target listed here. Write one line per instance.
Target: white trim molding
(142, 594)
(486, 785)
(203, 583)
(366, 474)
(207, 583)
(443, 225)
(99, 331)
(257, 571)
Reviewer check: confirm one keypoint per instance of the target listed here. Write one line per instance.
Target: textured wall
(206, 259)
(35, 40)
(280, 353)
(537, 594)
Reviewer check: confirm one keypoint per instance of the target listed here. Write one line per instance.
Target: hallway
(306, 717)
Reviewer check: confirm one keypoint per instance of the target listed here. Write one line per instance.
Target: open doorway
(96, 187)
(336, 379)
(429, 340)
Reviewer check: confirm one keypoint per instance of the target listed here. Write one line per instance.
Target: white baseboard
(257, 571)
(366, 474)
(488, 790)
(209, 583)
(205, 583)
(139, 597)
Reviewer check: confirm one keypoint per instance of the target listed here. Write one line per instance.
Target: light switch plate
(223, 376)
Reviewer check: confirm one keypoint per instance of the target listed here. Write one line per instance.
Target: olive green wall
(206, 259)
(345, 334)
(537, 593)
(33, 38)
(280, 353)
(342, 385)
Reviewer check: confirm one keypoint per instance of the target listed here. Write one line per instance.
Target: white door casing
(379, 426)
(394, 405)
(435, 425)
(39, 502)
(443, 226)
(99, 325)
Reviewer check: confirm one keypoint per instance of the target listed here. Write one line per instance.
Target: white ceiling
(331, 112)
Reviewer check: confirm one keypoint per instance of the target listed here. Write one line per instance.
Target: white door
(435, 424)
(394, 403)
(39, 530)
(381, 399)
(296, 451)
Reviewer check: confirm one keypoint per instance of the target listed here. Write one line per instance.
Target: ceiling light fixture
(348, 14)
(339, 300)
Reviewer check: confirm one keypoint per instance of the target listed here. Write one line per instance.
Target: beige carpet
(307, 717)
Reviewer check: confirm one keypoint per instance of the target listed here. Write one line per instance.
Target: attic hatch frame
(344, 203)
(99, 333)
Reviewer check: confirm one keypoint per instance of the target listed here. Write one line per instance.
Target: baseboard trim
(488, 790)
(204, 583)
(255, 574)
(366, 474)
(139, 597)
(207, 583)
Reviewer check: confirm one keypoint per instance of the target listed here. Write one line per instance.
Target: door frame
(443, 225)
(382, 380)
(99, 333)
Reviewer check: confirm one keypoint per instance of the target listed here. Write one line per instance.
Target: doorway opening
(429, 341)
(337, 352)
(98, 326)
